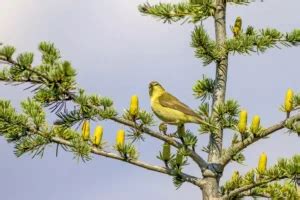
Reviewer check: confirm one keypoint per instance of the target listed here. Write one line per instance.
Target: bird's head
(155, 88)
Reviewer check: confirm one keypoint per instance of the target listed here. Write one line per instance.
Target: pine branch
(194, 12)
(196, 157)
(260, 41)
(240, 146)
(97, 151)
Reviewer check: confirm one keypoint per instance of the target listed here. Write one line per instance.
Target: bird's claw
(163, 128)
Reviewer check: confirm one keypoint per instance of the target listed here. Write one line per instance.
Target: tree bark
(211, 189)
(221, 77)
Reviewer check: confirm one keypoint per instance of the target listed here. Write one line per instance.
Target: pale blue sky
(116, 52)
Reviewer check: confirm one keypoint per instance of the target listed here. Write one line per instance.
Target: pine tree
(53, 82)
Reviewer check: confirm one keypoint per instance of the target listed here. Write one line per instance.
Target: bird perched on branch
(169, 109)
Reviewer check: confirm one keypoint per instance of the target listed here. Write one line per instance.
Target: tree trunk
(216, 139)
(211, 189)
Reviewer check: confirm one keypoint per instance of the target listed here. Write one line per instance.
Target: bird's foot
(163, 128)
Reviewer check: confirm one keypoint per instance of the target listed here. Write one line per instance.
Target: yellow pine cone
(242, 126)
(255, 124)
(288, 103)
(237, 26)
(262, 163)
(134, 106)
(120, 139)
(166, 154)
(98, 135)
(86, 130)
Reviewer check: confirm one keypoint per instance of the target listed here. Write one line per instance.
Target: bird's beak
(151, 84)
(150, 88)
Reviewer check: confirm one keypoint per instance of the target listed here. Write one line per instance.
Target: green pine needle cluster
(81, 149)
(277, 191)
(226, 114)
(12, 125)
(205, 48)
(52, 81)
(203, 89)
(127, 151)
(28, 131)
(92, 107)
(293, 125)
(143, 119)
(34, 145)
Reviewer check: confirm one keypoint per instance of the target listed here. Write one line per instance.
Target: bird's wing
(169, 101)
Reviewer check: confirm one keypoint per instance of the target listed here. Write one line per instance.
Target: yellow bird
(169, 109)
